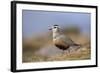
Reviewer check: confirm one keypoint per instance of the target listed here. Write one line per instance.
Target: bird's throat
(55, 35)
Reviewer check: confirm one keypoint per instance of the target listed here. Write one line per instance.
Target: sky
(36, 22)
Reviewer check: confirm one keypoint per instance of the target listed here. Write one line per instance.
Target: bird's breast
(60, 44)
(56, 41)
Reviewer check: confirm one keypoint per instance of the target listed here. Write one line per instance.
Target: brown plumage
(60, 44)
(61, 41)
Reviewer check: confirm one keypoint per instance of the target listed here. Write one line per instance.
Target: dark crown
(55, 25)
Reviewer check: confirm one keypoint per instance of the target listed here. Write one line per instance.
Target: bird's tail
(77, 45)
(80, 45)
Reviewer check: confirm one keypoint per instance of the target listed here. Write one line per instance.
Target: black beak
(50, 29)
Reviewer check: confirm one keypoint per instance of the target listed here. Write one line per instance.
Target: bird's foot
(66, 52)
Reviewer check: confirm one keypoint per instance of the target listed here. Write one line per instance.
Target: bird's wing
(60, 42)
(66, 40)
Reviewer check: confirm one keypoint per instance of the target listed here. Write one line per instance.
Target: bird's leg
(68, 51)
(65, 52)
(62, 52)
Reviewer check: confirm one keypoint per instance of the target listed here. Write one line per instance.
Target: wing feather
(65, 40)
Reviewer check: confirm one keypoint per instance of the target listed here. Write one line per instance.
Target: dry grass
(31, 46)
(76, 55)
(80, 54)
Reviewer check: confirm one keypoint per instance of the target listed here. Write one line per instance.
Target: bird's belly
(62, 47)
(60, 44)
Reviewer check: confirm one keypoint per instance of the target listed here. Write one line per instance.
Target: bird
(60, 40)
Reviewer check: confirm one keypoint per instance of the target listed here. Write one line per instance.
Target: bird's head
(54, 28)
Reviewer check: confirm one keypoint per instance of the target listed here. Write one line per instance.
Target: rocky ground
(52, 53)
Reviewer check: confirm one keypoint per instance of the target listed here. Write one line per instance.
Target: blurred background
(37, 39)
